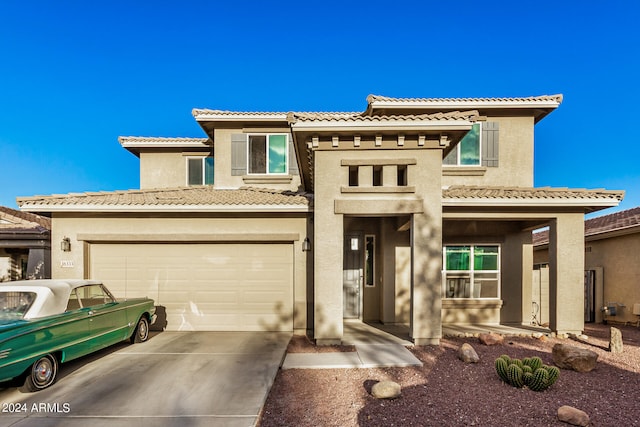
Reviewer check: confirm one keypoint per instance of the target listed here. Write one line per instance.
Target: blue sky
(75, 75)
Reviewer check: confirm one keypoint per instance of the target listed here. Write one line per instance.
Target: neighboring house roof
(615, 224)
(23, 230)
(200, 198)
(12, 220)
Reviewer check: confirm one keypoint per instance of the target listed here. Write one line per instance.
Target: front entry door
(352, 276)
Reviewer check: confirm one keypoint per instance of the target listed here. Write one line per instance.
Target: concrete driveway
(174, 379)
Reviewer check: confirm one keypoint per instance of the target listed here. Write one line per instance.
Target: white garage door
(204, 287)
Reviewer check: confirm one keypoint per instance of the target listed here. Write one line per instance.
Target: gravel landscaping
(448, 392)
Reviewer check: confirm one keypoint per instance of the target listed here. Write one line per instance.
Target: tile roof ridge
(380, 98)
(365, 117)
(212, 112)
(122, 139)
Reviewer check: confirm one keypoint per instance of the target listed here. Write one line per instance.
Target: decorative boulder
(573, 416)
(467, 354)
(386, 390)
(615, 340)
(570, 357)
(491, 339)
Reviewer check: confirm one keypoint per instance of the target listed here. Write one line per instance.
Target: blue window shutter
(238, 154)
(293, 161)
(490, 149)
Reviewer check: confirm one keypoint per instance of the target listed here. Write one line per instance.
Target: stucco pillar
(566, 273)
(327, 249)
(426, 242)
(517, 270)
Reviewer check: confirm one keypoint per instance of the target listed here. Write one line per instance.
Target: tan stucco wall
(174, 229)
(618, 258)
(515, 164)
(161, 170)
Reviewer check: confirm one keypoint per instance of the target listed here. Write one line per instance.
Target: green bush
(529, 372)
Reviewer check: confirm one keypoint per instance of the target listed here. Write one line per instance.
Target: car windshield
(14, 304)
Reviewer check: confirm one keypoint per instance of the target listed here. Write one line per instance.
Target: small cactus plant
(529, 372)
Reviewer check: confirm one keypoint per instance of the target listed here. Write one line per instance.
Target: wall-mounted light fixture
(65, 244)
(306, 245)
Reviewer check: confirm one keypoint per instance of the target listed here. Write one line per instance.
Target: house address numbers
(66, 263)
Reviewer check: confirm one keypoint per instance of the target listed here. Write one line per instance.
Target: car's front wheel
(141, 334)
(42, 374)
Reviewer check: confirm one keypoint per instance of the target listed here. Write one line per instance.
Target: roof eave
(587, 203)
(167, 208)
(617, 232)
(212, 116)
(396, 126)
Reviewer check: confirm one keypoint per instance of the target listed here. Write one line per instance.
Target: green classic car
(47, 322)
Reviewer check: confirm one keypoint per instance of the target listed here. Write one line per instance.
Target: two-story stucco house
(414, 211)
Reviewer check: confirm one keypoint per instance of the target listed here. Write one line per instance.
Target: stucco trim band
(191, 238)
(378, 207)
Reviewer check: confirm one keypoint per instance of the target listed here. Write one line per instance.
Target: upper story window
(268, 154)
(467, 152)
(200, 171)
(471, 271)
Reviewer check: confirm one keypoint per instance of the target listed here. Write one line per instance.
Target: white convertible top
(52, 294)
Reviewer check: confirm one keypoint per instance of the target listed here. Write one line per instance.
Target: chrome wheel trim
(143, 330)
(43, 372)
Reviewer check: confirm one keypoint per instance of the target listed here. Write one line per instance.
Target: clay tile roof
(524, 100)
(160, 140)
(612, 222)
(540, 238)
(204, 113)
(200, 197)
(14, 220)
(360, 117)
(514, 193)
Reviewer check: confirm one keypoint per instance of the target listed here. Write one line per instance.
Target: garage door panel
(230, 287)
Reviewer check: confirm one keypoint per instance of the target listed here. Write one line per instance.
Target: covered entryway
(203, 287)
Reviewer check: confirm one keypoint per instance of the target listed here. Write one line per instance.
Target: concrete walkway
(382, 346)
(375, 348)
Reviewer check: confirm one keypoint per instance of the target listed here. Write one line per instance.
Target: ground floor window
(471, 271)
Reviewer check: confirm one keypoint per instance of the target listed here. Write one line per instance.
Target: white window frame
(370, 274)
(204, 166)
(457, 148)
(266, 172)
(471, 271)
